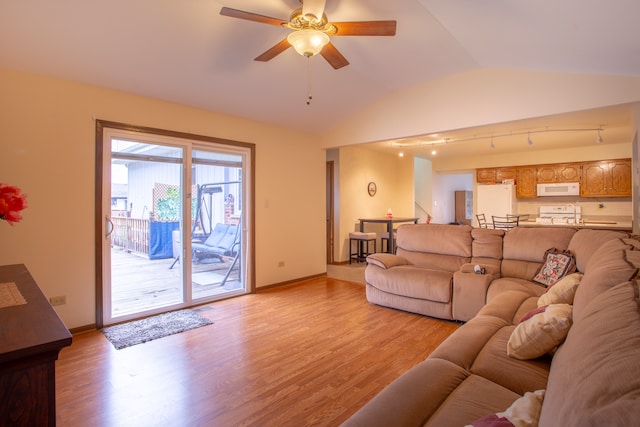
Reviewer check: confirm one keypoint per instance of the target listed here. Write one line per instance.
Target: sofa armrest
(386, 260)
(488, 268)
(470, 291)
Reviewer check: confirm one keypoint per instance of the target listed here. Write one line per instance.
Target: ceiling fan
(312, 30)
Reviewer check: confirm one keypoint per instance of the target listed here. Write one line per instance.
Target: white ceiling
(186, 52)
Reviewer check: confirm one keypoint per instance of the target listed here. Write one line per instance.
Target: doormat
(151, 328)
(207, 278)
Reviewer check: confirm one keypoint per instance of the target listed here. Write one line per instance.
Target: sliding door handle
(109, 226)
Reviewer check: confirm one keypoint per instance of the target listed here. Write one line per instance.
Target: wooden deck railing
(131, 234)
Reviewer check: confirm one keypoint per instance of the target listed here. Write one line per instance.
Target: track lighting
(420, 142)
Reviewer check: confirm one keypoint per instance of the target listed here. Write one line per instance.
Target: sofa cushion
(474, 398)
(607, 267)
(562, 292)
(437, 246)
(530, 244)
(595, 375)
(435, 238)
(557, 264)
(524, 249)
(519, 376)
(414, 396)
(504, 284)
(540, 333)
(487, 244)
(412, 282)
(586, 241)
(524, 412)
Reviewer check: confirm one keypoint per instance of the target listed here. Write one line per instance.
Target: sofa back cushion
(486, 247)
(595, 375)
(586, 241)
(607, 267)
(524, 248)
(438, 246)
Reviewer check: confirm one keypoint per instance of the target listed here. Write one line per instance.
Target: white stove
(559, 214)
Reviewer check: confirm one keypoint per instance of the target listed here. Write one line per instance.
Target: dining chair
(482, 221)
(521, 217)
(505, 222)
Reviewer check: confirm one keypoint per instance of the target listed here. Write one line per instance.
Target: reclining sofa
(563, 353)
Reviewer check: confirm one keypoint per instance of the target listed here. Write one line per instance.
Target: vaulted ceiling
(186, 52)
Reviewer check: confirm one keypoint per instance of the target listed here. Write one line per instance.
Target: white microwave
(559, 189)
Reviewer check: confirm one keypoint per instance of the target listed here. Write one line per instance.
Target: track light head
(599, 138)
(529, 141)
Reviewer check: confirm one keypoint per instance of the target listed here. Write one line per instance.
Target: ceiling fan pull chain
(309, 96)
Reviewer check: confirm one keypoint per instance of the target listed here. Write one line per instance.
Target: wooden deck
(140, 284)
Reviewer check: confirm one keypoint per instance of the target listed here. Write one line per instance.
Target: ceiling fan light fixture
(308, 42)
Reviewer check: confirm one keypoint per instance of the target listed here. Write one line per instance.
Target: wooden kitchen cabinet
(606, 178)
(526, 187)
(495, 175)
(486, 175)
(505, 173)
(561, 172)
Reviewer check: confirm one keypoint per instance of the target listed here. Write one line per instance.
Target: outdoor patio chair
(221, 242)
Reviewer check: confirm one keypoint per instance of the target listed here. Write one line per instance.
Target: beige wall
(394, 178)
(47, 147)
(481, 97)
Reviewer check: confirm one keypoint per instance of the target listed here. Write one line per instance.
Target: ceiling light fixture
(423, 140)
(308, 42)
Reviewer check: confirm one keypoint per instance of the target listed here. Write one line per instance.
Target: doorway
(174, 221)
(330, 217)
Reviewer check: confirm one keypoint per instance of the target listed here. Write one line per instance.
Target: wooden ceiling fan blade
(365, 28)
(250, 16)
(333, 56)
(274, 51)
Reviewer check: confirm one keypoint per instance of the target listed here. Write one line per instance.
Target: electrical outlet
(61, 300)
(281, 264)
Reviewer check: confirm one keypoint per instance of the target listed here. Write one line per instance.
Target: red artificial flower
(12, 201)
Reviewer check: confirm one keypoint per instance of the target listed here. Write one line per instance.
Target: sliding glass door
(172, 223)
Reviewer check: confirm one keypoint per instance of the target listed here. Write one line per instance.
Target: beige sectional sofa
(591, 377)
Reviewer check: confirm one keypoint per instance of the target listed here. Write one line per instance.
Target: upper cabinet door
(562, 172)
(607, 178)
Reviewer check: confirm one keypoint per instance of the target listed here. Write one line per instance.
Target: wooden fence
(131, 234)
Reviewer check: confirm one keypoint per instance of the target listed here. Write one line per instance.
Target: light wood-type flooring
(307, 354)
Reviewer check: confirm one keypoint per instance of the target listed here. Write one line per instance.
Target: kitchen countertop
(600, 224)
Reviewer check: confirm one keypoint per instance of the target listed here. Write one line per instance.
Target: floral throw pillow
(556, 265)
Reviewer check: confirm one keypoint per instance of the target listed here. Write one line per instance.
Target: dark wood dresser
(31, 336)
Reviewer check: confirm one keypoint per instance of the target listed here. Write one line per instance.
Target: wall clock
(372, 188)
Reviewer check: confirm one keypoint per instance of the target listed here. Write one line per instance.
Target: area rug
(151, 328)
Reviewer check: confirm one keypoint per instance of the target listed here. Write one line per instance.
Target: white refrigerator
(496, 199)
